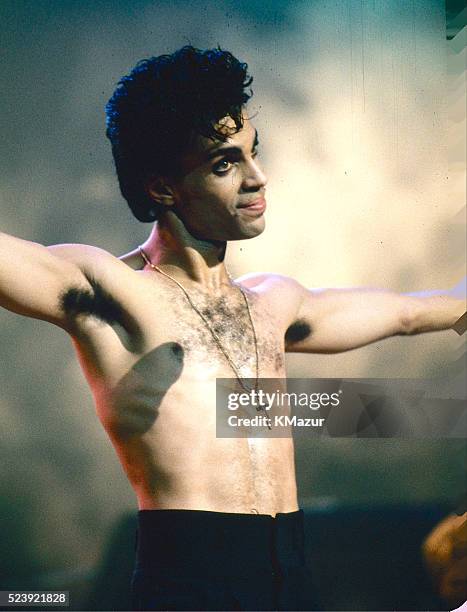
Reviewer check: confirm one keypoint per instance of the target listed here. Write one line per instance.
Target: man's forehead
(204, 146)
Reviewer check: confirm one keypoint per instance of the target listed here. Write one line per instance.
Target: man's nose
(254, 177)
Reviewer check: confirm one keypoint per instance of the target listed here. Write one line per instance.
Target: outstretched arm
(34, 278)
(336, 320)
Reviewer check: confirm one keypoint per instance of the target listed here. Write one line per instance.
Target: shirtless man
(219, 524)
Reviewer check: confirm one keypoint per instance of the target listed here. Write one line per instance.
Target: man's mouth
(255, 207)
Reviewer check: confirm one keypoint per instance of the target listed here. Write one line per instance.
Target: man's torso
(152, 364)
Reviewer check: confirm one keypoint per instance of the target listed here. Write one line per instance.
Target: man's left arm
(337, 320)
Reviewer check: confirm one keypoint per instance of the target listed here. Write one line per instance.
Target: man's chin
(250, 230)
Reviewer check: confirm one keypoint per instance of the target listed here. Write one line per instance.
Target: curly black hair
(158, 107)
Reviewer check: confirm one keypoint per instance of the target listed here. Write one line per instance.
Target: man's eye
(223, 166)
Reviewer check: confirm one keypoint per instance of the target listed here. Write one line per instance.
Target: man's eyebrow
(226, 150)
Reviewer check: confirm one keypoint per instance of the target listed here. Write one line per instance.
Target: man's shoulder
(87, 257)
(102, 273)
(72, 250)
(268, 280)
(281, 295)
(105, 290)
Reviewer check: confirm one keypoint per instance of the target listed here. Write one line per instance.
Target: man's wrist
(438, 311)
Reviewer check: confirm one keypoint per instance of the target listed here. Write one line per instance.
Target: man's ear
(160, 191)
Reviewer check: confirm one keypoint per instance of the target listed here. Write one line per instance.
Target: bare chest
(234, 333)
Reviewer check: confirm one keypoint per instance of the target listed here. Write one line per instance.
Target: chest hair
(228, 318)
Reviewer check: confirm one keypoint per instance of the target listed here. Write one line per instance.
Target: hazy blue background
(361, 117)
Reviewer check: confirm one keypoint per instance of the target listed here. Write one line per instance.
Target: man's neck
(185, 257)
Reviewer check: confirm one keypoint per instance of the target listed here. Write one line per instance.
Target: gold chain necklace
(207, 324)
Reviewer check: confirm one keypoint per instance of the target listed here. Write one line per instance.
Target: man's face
(221, 193)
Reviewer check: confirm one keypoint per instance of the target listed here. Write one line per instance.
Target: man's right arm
(34, 277)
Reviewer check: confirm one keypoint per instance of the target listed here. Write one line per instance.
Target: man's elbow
(410, 317)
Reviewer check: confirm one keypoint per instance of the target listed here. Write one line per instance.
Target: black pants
(200, 560)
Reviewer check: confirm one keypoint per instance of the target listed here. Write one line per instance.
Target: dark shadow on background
(111, 589)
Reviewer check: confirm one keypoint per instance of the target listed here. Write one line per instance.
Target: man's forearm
(434, 311)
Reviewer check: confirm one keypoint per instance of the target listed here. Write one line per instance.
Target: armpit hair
(298, 331)
(94, 302)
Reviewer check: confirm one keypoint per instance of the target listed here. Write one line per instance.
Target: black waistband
(218, 542)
